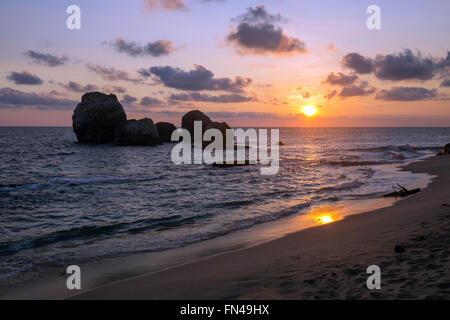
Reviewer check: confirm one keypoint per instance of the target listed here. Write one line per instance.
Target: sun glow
(309, 110)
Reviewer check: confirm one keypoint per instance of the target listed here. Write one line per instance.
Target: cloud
(15, 99)
(76, 87)
(257, 33)
(406, 94)
(329, 95)
(151, 102)
(155, 49)
(253, 115)
(47, 59)
(395, 67)
(24, 77)
(171, 5)
(340, 79)
(443, 66)
(357, 63)
(223, 98)
(114, 89)
(306, 94)
(127, 99)
(144, 72)
(259, 14)
(111, 74)
(360, 90)
(445, 83)
(403, 66)
(196, 80)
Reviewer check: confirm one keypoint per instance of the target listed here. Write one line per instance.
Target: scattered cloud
(24, 78)
(171, 5)
(395, 67)
(114, 89)
(150, 102)
(196, 80)
(155, 49)
(15, 99)
(46, 59)
(330, 94)
(406, 94)
(360, 90)
(76, 87)
(357, 63)
(445, 83)
(257, 32)
(111, 74)
(306, 94)
(127, 99)
(403, 66)
(340, 79)
(223, 98)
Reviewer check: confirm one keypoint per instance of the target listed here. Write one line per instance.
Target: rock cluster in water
(100, 118)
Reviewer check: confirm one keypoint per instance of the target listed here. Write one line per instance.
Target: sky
(249, 63)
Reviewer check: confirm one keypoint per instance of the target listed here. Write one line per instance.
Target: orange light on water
(324, 219)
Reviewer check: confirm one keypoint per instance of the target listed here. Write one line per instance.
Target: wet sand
(325, 262)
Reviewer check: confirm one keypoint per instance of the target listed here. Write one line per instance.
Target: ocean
(64, 203)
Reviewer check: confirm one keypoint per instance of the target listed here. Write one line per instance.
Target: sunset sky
(250, 63)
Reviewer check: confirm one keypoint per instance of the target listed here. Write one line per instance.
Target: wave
(72, 181)
(95, 231)
(345, 163)
(344, 186)
(406, 147)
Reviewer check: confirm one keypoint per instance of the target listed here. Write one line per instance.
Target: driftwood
(400, 191)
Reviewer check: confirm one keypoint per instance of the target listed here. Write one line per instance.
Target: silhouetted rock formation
(100, 118)
(165, 130)
(96, 117)
(137, 133)
(445, 151)
(187, 122)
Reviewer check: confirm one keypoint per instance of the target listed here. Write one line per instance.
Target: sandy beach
(328, 261)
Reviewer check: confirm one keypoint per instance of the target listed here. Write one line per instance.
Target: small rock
(165, 130)
(141, 132)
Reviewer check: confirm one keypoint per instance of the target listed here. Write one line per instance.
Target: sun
(309, 110)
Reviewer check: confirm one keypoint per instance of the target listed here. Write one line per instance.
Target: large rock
(141, 132)
(187, 122)
(222, 127)
(165, 130)
(445, 151)
(97, 117)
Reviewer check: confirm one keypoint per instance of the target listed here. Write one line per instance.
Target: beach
(325, 262)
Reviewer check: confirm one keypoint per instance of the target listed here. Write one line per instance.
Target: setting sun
(309, 110)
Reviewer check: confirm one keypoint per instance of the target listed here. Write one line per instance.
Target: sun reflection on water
(324, 219)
